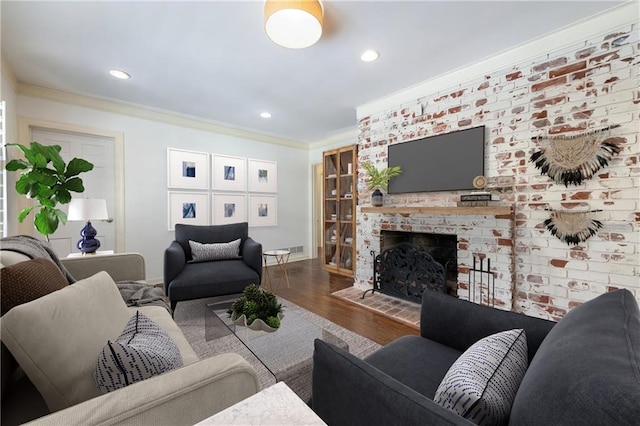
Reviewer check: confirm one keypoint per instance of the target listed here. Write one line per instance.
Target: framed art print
(263, 210)
(263, 176)
(191, 208)
(187, 169)
(229, 208)
(229, 173)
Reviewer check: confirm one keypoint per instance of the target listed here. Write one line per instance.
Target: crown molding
(350, 136)
(7, 71)
(162, 116)
(617, 16)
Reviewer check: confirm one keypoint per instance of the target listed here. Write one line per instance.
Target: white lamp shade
(295, 24)
(88, 209)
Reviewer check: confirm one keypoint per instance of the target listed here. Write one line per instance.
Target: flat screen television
(447, 162)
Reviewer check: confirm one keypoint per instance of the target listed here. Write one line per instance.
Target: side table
(282, 258)
(275, 405)
(98, 253)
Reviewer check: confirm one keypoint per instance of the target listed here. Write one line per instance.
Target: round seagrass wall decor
(573, 159)
(572, 227)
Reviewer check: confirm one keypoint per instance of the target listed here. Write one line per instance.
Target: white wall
(8, 94)
(145, 150)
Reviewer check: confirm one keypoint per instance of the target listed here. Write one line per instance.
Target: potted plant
(257, 309)
(378, 180)
(49, 186)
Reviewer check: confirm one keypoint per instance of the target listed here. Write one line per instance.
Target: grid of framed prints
(227, 190)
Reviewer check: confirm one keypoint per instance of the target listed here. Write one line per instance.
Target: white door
(98, 183)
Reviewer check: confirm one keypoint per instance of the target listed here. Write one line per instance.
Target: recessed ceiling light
(120, 74)
(369, 56)
(265, 114)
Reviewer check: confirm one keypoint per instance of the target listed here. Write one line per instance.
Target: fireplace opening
(442, 247)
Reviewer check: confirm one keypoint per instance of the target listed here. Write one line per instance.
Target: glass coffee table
(287, 353)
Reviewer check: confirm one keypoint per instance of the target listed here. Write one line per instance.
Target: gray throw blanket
(34, 249)
(133, 293)
(137, 294)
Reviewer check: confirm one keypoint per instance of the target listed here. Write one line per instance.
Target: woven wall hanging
(572, 227)
(571, 159)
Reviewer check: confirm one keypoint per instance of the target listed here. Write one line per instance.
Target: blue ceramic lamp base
(88, 244)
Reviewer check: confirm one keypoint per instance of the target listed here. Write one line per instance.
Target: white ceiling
(212, 60)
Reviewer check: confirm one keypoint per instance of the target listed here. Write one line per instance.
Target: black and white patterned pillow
(143, 350)
(216, 251)
(482, 384)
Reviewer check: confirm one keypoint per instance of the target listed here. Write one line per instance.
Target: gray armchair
(185, 280)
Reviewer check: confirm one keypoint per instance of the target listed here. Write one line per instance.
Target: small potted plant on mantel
(257, 309)
(378, 180)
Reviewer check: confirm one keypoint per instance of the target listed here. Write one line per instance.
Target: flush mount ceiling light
(120, 74)
(369, 56)
(293, 24)
(265, 114)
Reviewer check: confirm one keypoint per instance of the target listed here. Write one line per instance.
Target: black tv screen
(446, 162)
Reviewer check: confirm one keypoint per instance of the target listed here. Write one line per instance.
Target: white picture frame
(228, 208)
(263, 176)
(191, 208)
(187, 169)
(263, 210)
(228, 173)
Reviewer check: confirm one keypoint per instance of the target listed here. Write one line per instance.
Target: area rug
(391, 307)
(194, 319)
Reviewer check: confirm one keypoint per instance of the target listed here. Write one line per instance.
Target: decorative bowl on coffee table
(257, 324)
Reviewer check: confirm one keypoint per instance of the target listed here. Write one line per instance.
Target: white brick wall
(582, 86)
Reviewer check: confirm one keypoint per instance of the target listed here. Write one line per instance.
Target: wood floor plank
(311, 288)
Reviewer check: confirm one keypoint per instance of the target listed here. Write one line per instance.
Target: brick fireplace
(486, 236)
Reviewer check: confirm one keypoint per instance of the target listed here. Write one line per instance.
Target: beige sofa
(85, 315)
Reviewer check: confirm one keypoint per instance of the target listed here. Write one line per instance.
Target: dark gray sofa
(186, 281)
(583, 370)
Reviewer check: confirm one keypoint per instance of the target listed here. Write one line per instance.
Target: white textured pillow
(216, 251)
(143, 350)
(57, 338)
(482, 384)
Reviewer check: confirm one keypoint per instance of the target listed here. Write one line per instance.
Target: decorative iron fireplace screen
(406, 271)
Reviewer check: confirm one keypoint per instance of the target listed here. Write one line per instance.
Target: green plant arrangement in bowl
(49, 186)
(379, 179)
(257, 309)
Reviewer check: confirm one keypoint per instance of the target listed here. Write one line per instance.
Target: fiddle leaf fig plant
(48, 185)
(380, 178)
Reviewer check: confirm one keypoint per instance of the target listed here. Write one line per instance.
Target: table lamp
(88, 209)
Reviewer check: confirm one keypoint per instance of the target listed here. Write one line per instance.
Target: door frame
(317, 207)
(26, 125)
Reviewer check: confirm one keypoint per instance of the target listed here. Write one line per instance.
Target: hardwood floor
(311, 288)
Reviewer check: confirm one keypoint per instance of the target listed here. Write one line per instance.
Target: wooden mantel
(452, 210)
